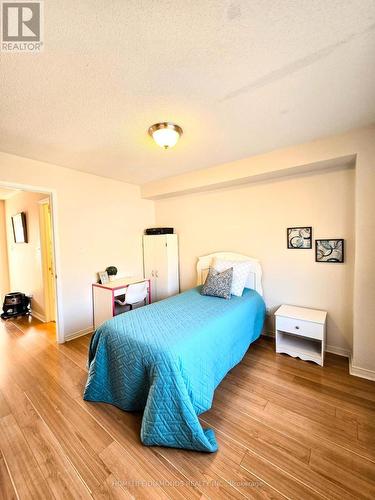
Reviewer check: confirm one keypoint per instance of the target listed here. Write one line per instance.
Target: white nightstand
(301, 332)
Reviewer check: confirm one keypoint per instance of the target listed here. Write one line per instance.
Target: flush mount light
(166, 134)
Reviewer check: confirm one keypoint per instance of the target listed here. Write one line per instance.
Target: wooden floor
(286, 429)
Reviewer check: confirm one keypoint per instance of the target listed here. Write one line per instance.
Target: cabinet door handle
(152, 273)
(157, 274)
(297, 327)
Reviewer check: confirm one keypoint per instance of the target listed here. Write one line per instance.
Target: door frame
(51, 193)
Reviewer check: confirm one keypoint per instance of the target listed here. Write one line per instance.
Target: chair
(134, 294)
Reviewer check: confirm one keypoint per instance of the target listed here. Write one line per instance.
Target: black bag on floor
(15, 304)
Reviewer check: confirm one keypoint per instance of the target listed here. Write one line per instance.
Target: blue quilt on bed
(167, 359)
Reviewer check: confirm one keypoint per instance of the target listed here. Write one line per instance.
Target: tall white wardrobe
(160, 259)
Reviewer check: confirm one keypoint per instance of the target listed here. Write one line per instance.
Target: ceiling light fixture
(166, 134)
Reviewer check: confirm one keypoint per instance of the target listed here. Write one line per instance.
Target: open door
(48, 264)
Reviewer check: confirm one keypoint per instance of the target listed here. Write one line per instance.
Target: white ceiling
(240, 76)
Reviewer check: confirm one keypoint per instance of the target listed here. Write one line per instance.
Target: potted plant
(111, 271)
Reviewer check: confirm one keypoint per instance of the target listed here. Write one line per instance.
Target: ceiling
(240, 76)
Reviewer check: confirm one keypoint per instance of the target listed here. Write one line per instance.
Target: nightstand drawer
(300, 327)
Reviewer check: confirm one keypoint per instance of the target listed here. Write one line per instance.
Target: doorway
(32, 263)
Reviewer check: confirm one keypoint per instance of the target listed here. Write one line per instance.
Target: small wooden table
(301, 332)
(104, 297)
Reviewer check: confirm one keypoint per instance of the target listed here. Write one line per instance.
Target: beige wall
(4, 275)
(252, 220)
(358, 145)
(99, 223)
(25, 263)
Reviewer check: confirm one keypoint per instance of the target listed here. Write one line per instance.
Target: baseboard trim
(360, 372)
(38, 316)
(77, 334)
(338, 350)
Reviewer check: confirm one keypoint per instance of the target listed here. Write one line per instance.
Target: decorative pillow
(241, 271)
(218, 284)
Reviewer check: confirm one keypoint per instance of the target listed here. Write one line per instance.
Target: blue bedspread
(167, 359)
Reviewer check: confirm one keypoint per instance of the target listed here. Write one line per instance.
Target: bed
(166, 359)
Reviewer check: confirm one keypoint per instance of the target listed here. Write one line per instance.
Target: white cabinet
(301, 332)
(160, 259)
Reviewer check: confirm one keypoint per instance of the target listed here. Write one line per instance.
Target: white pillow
(241, 271)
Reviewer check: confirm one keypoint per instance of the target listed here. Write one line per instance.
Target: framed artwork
(19, 228)
(299, 237)
(329, 251)
(104, 278)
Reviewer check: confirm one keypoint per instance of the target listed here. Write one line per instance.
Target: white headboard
(255, 278)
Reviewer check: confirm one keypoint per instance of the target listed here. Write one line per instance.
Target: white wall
(4, 275)
(252, 220)
(24, 259)
(100, 222)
